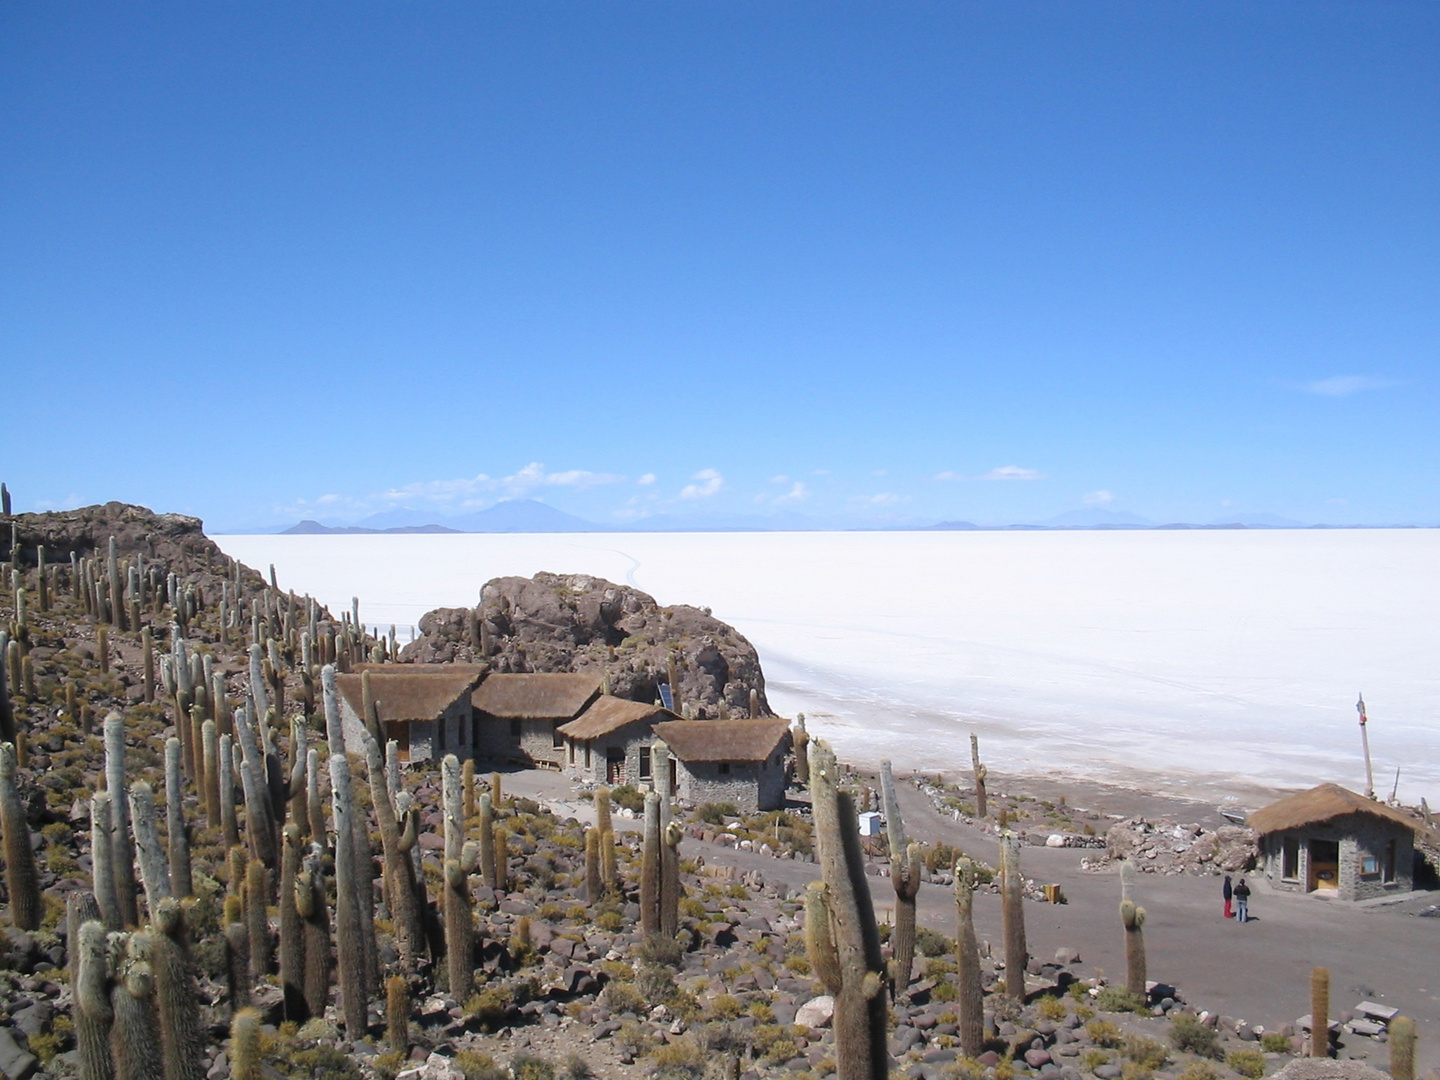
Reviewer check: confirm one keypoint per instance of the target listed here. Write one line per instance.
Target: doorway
(1324, 865)
(615, 767)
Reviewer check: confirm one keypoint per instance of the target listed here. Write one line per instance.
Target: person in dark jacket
(1228, 892)
(1242, 902)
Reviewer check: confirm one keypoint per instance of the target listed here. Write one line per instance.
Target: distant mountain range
(531, 516)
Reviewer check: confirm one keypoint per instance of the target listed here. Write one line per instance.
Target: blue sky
(865, 263)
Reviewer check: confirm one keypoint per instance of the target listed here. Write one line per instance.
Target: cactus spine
(1320, 1012)
(21, 876)
(92, 1014)
(1012, 916)
(980, 773)
(1402, 1048)
(177, 837)
(840, 928)
(154, 874)
(1132, 917)
(972, 993)
(904, 876)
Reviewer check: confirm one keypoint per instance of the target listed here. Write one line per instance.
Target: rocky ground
(563, 987)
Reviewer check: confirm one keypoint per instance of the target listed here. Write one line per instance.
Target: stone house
(517, 717)
(1333, 842)
(609, 742)
(425, 708)
(729, 761)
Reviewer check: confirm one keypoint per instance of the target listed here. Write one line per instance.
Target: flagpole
(1365, 742)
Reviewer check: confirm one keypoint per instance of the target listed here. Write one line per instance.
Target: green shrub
(683, 1059)
(622, 997)
(1200, 1070)
(530, 1067)
(1050, 1008)
(1187, 1033)
(629, 797)
(1093, 1059)
(1103, 1033)
(610, 921)
(1272, 1042)
(932, 943)
(1248, 1063)
(577, 1068)
(715, 813)
(1119, 999)
(1144, 1051)
(1133, 1070)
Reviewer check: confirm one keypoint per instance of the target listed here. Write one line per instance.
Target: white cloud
(797, 493)
(884, 498)
(646, 480)
(710, 482)
(948, 475)
(1013, 472)
(1098, 498)
(1343, 385)
(781, 479)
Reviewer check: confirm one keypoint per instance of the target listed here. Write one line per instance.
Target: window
(1390, 847)
(645, 773)
(556, 739)
(1369, 866)
(516, 728)
(587, 755)
(1290, 858)
(723, 768)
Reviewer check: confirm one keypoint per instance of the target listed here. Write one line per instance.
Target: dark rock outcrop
(574, 622)
(170, 538)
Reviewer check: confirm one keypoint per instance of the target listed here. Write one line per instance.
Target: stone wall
(1359, 836)
(495, 739)
(630, 739)
(750, 785)
(537, 741)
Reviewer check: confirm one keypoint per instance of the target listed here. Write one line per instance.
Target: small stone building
(1333, 842)
(729, 761)
(424, 708)
(517, 717)
(609, 742)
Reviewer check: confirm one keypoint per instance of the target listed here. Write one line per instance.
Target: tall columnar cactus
(399, 869)
(397, 1014)
(210, 755)
(7, 710)
(313, 801)
(122, 851)
(972, 993)
(102, 861)
(467, 784)
(177, 836)
(135, 1033)
(147, 648)
(245, 1045)
(90, 984)
(594, 887)
(980, 773)
(497, 793)
(1402, 1048)
(182, 1037)
(670, 887)
(1132, 917)
(292, 940)
(1012, 916)
(904, 876)
(310, 903)
(802, 750)
(460, 859)
(1320, 1012)
(154, 873)
(350, 956)
(650, 868)
(488, 865)
(225, 785)
(257, 923)
(841, 935)
(605, 827)
(112, 575)
(21, 876)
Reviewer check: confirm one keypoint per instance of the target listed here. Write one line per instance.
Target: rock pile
(1168, 847)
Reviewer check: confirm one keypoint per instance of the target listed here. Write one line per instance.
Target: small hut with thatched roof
(729, 761)
(610, 741)
(425, 708)
(1333, 842)
(517, 717)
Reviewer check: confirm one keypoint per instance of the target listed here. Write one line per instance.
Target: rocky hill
(573, 622)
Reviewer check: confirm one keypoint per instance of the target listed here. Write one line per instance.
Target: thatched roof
(723, 740)
(609, 714)
(407, 695)
(1322, 803)
(535, 696)
(475, 671)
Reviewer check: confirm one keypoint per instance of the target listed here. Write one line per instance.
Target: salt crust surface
(1185, 662)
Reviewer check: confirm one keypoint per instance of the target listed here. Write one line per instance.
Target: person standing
(1242, 902)
(1228, 892)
